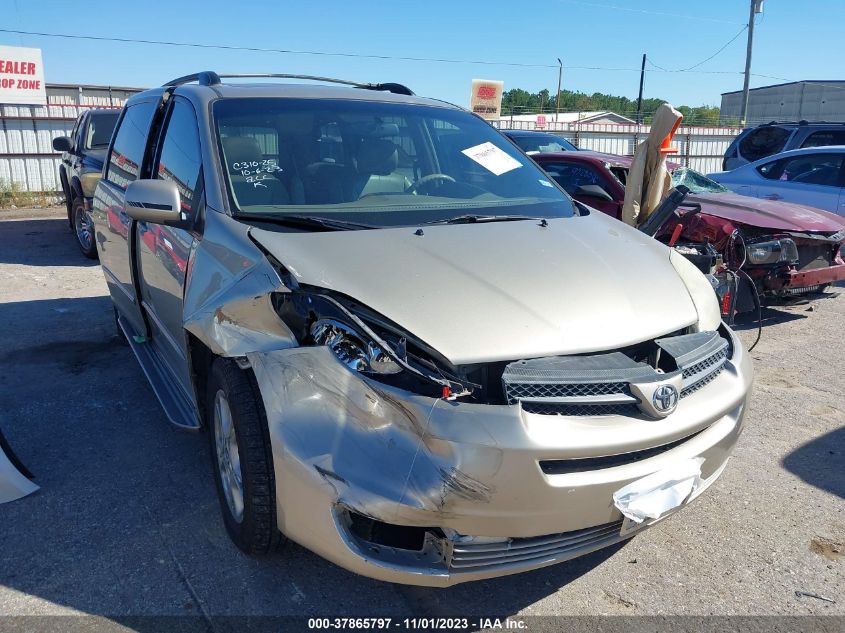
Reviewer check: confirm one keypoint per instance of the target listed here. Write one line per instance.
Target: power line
(647, 12)
(127, 40)
(704, 61)
(728, 43)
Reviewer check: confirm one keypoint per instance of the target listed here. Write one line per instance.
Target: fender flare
(75, 187)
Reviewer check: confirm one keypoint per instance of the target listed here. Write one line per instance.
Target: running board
(176, 405)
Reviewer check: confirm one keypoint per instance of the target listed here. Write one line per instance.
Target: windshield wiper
(472, 218)
(306, 221)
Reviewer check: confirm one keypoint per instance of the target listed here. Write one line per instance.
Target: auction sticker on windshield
(492, 158)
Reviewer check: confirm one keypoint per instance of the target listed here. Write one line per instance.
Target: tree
(519, 101)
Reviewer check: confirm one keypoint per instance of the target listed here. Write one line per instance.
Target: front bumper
(469, 472)
(807, 279)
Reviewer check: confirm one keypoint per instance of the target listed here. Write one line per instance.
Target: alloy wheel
(228, 457)
(84, 228)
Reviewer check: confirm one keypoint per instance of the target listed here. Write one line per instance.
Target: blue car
(814, 177)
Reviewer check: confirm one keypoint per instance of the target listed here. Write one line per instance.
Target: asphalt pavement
(127, 521)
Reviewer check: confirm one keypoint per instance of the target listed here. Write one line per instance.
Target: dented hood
(767, 214)
(504, 290)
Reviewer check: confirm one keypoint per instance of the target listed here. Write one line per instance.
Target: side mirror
(155, 201)
(593, 191)
(62, 144)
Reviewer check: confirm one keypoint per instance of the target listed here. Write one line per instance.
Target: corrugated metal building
(27, 158)
(799, 100)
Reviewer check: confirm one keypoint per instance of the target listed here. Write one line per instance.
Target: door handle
(772, 196)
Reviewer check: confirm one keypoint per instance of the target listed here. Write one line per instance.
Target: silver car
(411, 351)
(813, 177)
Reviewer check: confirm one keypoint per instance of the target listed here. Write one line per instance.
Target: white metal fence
(700, 148)
(27, 159)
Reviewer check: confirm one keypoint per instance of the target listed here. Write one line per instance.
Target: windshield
(697, 183)
(374, 164)
(100, 128)
(543, 143)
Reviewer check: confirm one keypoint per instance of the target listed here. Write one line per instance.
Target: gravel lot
(127, 520)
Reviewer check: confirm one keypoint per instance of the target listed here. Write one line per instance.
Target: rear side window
(99, 130)
(762, 142)
(180, 160)
(827, 137)
(73, 134)
(815, 169)
(570, 176)
(546, 144)
(129, 143)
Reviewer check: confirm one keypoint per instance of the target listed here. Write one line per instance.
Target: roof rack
(804, 122)
(211, 78)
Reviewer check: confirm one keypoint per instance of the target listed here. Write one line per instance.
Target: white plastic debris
(13, 485)
(657, 494)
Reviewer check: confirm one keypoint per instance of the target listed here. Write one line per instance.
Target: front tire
(242, 458)
(83, 229)
(68, 198)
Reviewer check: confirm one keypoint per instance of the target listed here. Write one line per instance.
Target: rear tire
(242, 458)
(83, 229)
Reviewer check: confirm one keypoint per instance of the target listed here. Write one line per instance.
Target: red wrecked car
(786, 249)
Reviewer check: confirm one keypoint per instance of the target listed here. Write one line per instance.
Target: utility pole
(640, 97)
(756, 7)
(559, 80)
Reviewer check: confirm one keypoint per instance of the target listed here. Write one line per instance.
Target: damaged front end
(399, 464)
(778, 263)
(396, 464)
(367, 342)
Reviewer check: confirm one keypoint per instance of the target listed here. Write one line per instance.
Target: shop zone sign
(21, 76)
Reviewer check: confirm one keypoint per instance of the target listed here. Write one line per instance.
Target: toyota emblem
(665, 398)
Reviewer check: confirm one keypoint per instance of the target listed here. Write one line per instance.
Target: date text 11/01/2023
(456, 624)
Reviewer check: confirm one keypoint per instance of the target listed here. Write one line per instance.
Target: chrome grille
(543, 408)
(600, 384)
(470, 556)
(521, 391)
(693, 370)
(704, 371)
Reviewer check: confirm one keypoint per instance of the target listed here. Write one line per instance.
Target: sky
(600, 42)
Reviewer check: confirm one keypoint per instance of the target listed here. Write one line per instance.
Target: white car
(812, 176)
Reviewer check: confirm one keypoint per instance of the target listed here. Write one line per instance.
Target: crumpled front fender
(368, 448)
(227, 303)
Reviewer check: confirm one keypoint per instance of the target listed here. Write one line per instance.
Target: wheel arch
(201, 359)
(75, 187)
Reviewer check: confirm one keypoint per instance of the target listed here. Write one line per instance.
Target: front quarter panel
(228, 292)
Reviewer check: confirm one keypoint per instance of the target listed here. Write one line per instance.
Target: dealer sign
(22, 76)
(486, 99)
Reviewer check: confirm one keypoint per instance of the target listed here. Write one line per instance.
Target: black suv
(772, 138)
(83, 153)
